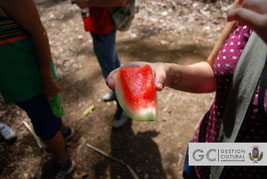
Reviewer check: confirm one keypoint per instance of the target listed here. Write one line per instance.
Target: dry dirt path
(168, 31)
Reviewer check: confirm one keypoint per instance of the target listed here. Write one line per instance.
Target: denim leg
(105, 51)
(188, 171)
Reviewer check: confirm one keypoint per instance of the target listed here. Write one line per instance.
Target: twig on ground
(37, 139)
(134, 175)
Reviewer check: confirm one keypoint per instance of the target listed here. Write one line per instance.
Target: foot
(110, 96)
(62, 170)
(120, 119)
(67, 133)
(7, 133)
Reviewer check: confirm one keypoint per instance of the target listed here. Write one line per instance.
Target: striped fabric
(19, 69)
(10, 31)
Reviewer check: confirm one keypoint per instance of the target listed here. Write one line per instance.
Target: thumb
(160, 81)
(246, 17)
(110, 79)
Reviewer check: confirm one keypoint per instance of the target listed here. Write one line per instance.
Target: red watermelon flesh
(136, 92)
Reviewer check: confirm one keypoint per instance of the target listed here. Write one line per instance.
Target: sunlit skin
(252, 13)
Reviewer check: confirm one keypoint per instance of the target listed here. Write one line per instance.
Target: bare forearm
(26, 15)
(196, 78)
(28, 18)
(42, 51)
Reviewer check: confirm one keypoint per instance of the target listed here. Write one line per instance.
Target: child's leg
(104, 47)
(105, 51)
(57, 146)
(46, 125)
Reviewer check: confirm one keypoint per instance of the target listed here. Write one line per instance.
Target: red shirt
(99, 21)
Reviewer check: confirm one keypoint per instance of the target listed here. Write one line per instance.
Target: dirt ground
(176, 31)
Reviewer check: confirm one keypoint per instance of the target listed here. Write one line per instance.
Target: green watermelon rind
(151, 113)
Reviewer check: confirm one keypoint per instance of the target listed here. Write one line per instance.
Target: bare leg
(57, 146)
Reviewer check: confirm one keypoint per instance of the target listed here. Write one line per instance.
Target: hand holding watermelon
(136, 92)
(195, 78)
(159, 71)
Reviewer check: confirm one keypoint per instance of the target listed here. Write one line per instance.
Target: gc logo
(198, 155)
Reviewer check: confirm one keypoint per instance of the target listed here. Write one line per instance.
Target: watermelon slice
(136, 92)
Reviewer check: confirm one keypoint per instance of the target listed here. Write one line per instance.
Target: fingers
(51, 94)
(247, 17)
(160, 78)
(160, 75)
(56, 88)
(252, 13)
(110, 79)
(255, 5)
(50, 88)
(160, 81)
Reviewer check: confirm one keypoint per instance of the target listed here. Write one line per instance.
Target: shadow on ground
(48, 171)
(142, 50)
(138, 150)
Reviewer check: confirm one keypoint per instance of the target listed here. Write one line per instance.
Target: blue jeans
(105, 51)
(189, 172)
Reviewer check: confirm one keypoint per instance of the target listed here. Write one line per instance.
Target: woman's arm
(252, 13)
(196, 78)
(26, 15)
